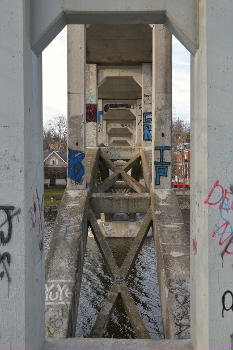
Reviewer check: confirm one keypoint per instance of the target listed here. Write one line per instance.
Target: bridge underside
(115, 188)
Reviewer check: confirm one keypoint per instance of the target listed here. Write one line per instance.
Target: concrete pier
(205, 28)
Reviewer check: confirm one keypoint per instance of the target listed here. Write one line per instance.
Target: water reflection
(142, 283)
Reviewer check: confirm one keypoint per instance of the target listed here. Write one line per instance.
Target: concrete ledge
(120, 152)
(115, 344)
(173, 261)
(120, 203)
(64, 263)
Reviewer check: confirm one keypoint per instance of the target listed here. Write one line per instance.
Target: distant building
(183, 162)
(55, 168)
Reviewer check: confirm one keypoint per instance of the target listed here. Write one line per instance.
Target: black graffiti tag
(7, 214)
(182, 299)
(227, 306)
(5, 237)
(5, 257)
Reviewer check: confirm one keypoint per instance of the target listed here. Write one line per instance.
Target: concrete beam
(132, 311)
(134, 184)
(119, 40)
(116, 344)
(122, 71)
(120, 203)
(49, 17)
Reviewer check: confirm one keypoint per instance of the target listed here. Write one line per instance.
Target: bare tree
(55, 134)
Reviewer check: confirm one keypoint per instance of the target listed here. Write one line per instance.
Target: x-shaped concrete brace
(120, 275)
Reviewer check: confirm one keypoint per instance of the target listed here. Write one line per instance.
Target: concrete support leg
(21, 174)
(100, 123)
(212, 179)
(162, 107)
(139, 135)
(147, 104)
(91, 105)
(105, 136)
(76, 61)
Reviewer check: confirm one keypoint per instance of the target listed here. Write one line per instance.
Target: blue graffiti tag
(100, 114)
(161, 167)
(76, 169)
(147, 127)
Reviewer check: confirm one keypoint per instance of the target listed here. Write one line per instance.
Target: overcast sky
(55, 79)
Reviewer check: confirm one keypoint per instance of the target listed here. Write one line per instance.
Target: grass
(53, 196)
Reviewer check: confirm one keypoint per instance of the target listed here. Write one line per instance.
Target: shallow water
(96, 283)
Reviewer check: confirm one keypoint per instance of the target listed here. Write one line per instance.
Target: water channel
(96, 283)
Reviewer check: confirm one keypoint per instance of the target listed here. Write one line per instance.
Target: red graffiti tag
(222, 198)
(195, 246)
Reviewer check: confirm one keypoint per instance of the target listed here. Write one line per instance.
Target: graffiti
(75, 167)
(147, 99)
(182, 314)
(36, 212)
(147, 126)
(117, 105)
(66, 225)
(91, 112)
(7, 213)
(227, 305)
(7, 257)
(114, 154)
(58, 292)
(100, 114)
(6, 223)
(91, 97)
(161, 167)
(54, 322)
(195, 246)
(222, 199)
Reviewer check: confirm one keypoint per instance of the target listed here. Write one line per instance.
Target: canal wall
(173, 263)
(64, 262)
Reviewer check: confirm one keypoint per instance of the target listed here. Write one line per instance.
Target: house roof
(62, 155)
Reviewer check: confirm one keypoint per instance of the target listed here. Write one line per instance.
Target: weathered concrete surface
(116, 344)
(173, 261)
(114, 44)
(120, 203)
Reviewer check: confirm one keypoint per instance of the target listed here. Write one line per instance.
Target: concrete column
(91, 105)
(212, 179)
(162, 107)
(147, 104)
(100, 123)
(76, 62)
(21, 183)
(139, 135)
